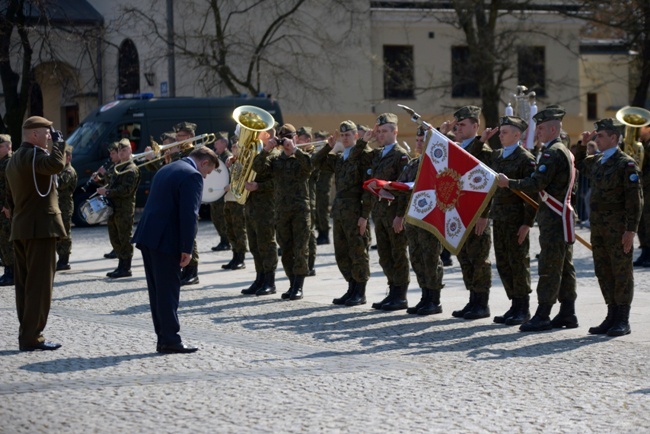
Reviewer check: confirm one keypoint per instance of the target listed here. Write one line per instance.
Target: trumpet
(158, 151)
(318, 145)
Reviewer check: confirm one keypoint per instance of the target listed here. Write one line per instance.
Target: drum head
(215, 183)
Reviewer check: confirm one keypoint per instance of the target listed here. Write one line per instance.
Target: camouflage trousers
(260, 230)
(216, 215)
(513, 259)
(120, 229)
(557, 276)
(292, 228)
(323, 189)
(235, 219)
(392, 251)
(351, 249)
(311, 244)
(424, 253)
(644, 224)
(6, 246)
(64, 244)
(613, 267)
(474, 259)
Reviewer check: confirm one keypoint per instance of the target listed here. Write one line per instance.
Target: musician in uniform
(121, 194)
(6, 247)
(323, 200)
(616, 206)
(388, 162)
(644, 226)
(304, 135)
(234, 215)
(512, 218)
(350, 227)
(291, 169)
(66, 185)
(217, 207)
(553, 179)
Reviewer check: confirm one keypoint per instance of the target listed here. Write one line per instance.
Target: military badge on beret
(607, 124)
(514, 121)
(347, 126)
(469, 111)
(387, 118)
(551, 113)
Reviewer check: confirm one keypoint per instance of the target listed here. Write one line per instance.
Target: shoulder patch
(634, 178)
(369, 171)
(542, 168)
(405, 157)
(631, 164)
(532, 163)
(545, 155)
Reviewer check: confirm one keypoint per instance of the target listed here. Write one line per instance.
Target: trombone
(318, 145)
(158, 152)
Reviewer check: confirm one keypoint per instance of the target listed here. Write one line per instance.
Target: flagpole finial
(415, 117)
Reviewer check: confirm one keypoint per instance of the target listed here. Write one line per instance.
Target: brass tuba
(252, 121)
(633, 118)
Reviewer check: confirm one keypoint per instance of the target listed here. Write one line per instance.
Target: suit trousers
(35, 262)
(163, 274)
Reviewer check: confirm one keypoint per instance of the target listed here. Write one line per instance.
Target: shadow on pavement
(73, 364)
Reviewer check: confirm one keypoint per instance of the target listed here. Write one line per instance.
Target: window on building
(531, 68)
(128, 67)
(463, 74)
(399, 74)
(592, 106)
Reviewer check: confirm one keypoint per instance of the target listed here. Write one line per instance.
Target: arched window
(128, 66)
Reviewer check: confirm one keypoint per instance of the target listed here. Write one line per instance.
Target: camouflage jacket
(483, 153)
(387, 168)
(290, 175)
(67, 183)
(123, 187)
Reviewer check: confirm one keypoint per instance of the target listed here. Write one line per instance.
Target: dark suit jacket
(34, 216)
(169, 220)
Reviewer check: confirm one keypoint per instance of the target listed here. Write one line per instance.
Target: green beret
(304, 131)
(420, 131)
(550, 113)
(222, 135)
(321, 134)
(514, 121)
(468, 112)
(387, 118)
(112, 147)
(5, 138)
(608, 124)
(169, 135)
(124, 143)
(185, 126)
(36, 122)
(346, 126)
(287, 130)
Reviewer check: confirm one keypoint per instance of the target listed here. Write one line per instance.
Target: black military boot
(110, 255)
(432, 306)
(119, 267)
(521, 313)
(268, 286)
(224, 244)
(287, 294)
(7, 279)
(257, 284)
(237, 262)
(607, 323)
(323, 237)
(191, 275)
(295, 293)
(621, 325)
(124, 270)
(345, 297)
(399, 301)
(501, 319)
(643, 257)
(540, 321)
(229, 264)
(389, 297)
(63, 263)
(566, 317)
(445, 256)
(461, 313)
(426, 293)
(481, 309)
(310, 264)
(358, 296)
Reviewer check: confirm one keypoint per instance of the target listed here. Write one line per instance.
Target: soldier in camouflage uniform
(323, 189)
(616, 206)
(512, 218)
(290, 170)
(350, 226)
(234, 215)
(644, 226)
(121, 193)
(6, 247)
(103, 177)
(552, 176)
(217, 207)
(424, 247)
(304, 135)
(67, 183)
(388, 162)
(474, 256)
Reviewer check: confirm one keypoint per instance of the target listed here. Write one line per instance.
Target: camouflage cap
(550, 113)
(421, 131)
(608, 124)
(286, 130)
(363, 128)
(346, 126)
(169, 135)
(321, 134)
(124, 143)
(185, 126)
(387, 118)
(36, 122)
(68, 150)
(222, 135)
(515, 121)
(5, 138)
(468, 112)
(111, 147)
(304, 131)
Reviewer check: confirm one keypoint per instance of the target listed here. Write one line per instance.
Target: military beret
(124, 143)
(346, 126)
(169, 135)
(363, 128)
(420, 131)
(68, 150)
(5, 138)
(185, 126)
(321, 134)
(112, 147)
(304, 131)
(387, 118)
(514, 121)
(287, 130)
(222, 135)
(550, 113)
(36, 122)
(608, 124)
(469, 111)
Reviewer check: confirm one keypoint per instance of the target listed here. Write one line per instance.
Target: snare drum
(96, 210)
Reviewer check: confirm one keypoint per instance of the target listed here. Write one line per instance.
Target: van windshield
(84, 138)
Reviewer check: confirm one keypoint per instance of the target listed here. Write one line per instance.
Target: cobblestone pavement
(267, 365)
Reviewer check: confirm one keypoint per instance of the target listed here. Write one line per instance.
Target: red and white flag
(451, 191)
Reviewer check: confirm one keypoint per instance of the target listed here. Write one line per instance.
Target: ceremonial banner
(451, 191)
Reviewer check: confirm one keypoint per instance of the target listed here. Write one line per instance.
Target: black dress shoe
(111, 255)
(175, 348)
(45, 346)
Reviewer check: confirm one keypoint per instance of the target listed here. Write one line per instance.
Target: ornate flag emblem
(451, 190)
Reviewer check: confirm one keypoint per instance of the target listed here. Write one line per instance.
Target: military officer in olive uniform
(217, 207)
(36, 225)
(304, 135)
(351, 237)
(388, 162)
(616, 206)
(512, 218)
(553, 180)
(234, 215)
(67, 183)
(474, 256)
(121, 194)
(323, 191)
(6, 247)
(290, 169)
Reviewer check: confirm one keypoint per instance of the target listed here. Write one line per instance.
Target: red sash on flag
(564, 209)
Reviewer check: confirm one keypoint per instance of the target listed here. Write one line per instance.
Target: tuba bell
(633, 118)
(252, 121)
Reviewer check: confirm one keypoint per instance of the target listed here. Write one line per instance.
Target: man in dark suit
(35, 227)
(165, 236)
